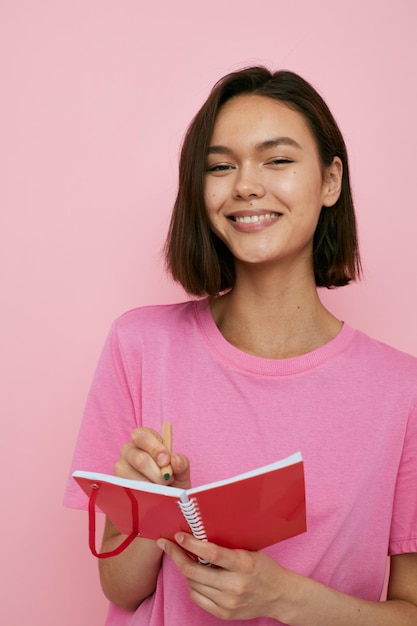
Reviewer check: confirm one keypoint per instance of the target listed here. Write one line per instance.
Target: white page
(181, 493)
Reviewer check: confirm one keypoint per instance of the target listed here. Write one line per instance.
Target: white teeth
(250, 219)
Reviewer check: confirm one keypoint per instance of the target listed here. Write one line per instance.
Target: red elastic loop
(92, 525)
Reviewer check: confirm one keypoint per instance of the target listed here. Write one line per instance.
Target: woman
(255, 369)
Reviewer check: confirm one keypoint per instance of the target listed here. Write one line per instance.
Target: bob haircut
(195, 256)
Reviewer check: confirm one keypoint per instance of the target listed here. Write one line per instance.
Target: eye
(279, 161)
(219, 167)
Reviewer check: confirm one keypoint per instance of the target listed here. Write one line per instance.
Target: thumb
(181, 468)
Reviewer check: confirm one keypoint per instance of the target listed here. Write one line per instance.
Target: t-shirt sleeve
(403, 537)
(110, 416)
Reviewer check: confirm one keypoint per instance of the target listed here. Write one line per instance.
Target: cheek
(286, 187)
(212, 202)
(209, 195)
(216, 190)
(210, 209)
(301, 191)
(208, 203)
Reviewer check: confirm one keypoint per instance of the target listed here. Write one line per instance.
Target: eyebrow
(259, 147)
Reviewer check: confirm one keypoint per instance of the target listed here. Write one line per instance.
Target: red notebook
(249, 511)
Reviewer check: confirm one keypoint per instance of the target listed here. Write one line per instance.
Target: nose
(248, 183)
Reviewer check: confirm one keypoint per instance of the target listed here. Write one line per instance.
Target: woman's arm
(317, 605)
(245, 585)
(130, 577)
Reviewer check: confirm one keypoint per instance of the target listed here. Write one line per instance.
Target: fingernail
(179, 538)
(161, 544)
(162, 459)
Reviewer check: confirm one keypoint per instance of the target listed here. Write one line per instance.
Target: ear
(332, 182)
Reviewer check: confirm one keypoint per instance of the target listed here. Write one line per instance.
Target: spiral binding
(192, 514)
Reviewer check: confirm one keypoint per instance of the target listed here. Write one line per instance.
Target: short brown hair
(195, 256)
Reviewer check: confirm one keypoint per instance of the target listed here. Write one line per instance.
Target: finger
(135, 464)
(204, 583)
(150, 441)
(144, 457)
(181, 468)
(186, 563)
(209, 552)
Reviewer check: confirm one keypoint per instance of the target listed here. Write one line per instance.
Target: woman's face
(264, 182)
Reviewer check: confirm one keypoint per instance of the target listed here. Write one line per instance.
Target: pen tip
(167, 476)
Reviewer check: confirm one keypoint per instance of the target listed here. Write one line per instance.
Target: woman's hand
(131, 577)
(238, 585)
(144, 457)
(246, 585)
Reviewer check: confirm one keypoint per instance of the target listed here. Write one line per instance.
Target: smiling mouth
(252, 219)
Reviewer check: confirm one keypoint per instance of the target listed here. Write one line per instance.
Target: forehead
(259, 118)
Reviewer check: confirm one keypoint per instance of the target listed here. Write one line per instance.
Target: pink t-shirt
(350, 407)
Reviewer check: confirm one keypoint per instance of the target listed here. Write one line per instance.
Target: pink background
(96, 95)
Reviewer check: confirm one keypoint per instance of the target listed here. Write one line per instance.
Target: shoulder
(379, 360)
(383, 351)
(151, 322)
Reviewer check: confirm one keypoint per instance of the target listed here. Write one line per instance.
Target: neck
(274, 318)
